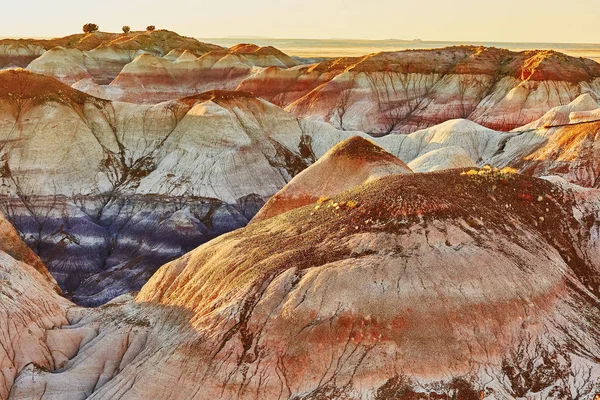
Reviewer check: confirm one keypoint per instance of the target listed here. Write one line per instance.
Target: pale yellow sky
(456, 20)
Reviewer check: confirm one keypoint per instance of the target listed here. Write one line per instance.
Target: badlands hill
(363, 275)
(349, 164)
(150, 79)
(407, 90)
(159, 40)
(29, 307)
(431, 275)
(382, 93)
(448, 284)
(106, 192)
(99, 56)
(138, 185)
(563, 142)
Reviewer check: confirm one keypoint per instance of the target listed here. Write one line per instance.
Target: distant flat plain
(312, 48)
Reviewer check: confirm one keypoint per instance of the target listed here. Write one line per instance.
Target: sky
(573, 21)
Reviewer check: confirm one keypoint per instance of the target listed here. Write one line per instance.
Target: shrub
(90, 27)
(150, 28)
(491, 173)
(126, 29)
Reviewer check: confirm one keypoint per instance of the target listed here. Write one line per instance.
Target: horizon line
(254, 37)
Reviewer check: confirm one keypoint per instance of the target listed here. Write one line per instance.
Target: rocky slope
(29, 307)
(105, 192)
(562, 142)
(360, 277)
(388, 92)
(150, 79)
(351, 163)
(469, 284)
(141, 184)
(407, 90)
(444, 284)
(97, 56)
(434, 276)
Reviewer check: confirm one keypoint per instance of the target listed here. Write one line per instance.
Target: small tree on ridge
(90, 27)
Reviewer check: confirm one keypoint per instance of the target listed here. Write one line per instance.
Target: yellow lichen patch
(491, 173)
(322, 200)
(351, 204)
(509, 170)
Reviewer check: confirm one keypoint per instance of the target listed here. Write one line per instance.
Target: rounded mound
(350, 163)
(22, 84)
(424, 273)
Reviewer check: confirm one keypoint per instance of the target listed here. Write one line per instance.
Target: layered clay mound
(21, 88)
(13, 245)
(475, 141)
(571, 151)
(436, 286)
(177, 174)
(150, 79)
(29, 307)
(428, 274)
(408, 90)
(245, 48)
(264, 56)
(561, 115)
(450, 157)
(550, 65)
(99, 55)
(566, 145)
(18, 53)
(66, 65)
(158, 41)
(349, 164)
(106, 192)
(557, 148)
(186, 56)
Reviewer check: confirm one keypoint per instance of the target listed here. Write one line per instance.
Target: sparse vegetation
(151, 28)
(491, 173)
(90, 28)
(322, 200)
(126, 29)
(342, 205)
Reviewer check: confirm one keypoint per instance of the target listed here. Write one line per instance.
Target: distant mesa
(99, 54)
